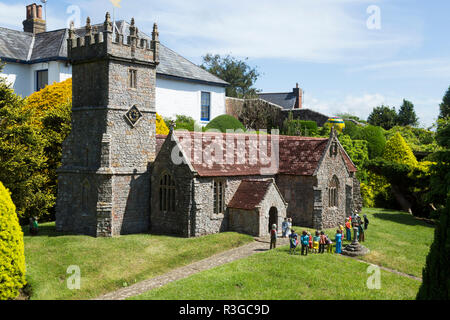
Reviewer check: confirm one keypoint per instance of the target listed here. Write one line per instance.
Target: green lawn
(397, 240)
(109, 264)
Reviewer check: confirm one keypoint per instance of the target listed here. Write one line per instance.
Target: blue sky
(330, 47)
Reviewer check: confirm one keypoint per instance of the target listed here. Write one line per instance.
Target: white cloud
(319, 30)
(413, 68)
(12, 14)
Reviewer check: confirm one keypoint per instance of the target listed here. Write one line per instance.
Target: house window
(219, 197)
(206, 106)
(167, 194)
(333, 193)
(132, 78)
(41, 79)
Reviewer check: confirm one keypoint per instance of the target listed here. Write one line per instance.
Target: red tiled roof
(249, 156)
(351, 167)
(249, 194)
(297, 155)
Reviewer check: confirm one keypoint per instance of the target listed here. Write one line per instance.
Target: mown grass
(276, 275)
(396, 240)
(110, 264)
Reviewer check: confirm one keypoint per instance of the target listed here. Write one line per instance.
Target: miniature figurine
(273, 237)
(305, 243)
(338, 242)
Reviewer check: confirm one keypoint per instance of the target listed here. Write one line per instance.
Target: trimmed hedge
(224, 123)
(300, 128)
(12, 252)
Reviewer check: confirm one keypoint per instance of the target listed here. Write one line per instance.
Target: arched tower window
(333, 192)
(167, 193)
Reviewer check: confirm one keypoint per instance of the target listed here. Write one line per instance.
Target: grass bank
(110, 264)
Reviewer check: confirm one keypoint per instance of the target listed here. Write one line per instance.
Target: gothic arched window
(333, 193)
(167, 193)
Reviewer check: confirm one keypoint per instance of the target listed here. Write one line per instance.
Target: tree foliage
(419, 140)
(237, 73)
(397, 150)
(258, 114)
(300, 128)
(436, 280)
(375, 138)
(12, 252)
(23, 160)
(357, 150)
(383, 116)
(161, 127)
(406, 115)
(445, 106)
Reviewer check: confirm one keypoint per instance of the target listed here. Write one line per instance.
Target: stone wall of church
(298, 191)
(333, 216)
(206, 222)
(271, 200)
(178, 222)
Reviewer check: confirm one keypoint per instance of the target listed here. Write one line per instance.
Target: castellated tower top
(94, 45)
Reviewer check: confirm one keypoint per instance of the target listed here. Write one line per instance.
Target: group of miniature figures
(321, 241)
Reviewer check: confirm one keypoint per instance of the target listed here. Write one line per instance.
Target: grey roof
(24, 47)
(15, 44)
(285, 100)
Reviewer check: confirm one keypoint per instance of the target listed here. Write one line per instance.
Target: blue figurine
(339, 242)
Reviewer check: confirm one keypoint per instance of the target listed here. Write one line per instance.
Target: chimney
(299, 95)
(34, 22)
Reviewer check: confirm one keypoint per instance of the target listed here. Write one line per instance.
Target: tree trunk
(402, 201)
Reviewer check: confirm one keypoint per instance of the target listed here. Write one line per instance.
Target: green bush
(224, 123)
(351, 129)
(23, 160)
(300, 128)
(357, 150)
(436, 280)
(418, 139)
(12, 256)
(397, 150)
(376, 139)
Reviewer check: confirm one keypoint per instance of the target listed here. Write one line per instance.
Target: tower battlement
(106, 44)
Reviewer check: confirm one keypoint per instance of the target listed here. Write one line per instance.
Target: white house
(35, 58)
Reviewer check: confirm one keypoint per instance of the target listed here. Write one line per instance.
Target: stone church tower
(104, 183)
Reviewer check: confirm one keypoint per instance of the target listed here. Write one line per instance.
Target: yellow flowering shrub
(12, 253)
(377, 187)
(49, 97)
(161, 127)
(397, 150)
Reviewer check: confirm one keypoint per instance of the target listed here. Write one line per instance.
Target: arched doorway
(273, 218)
